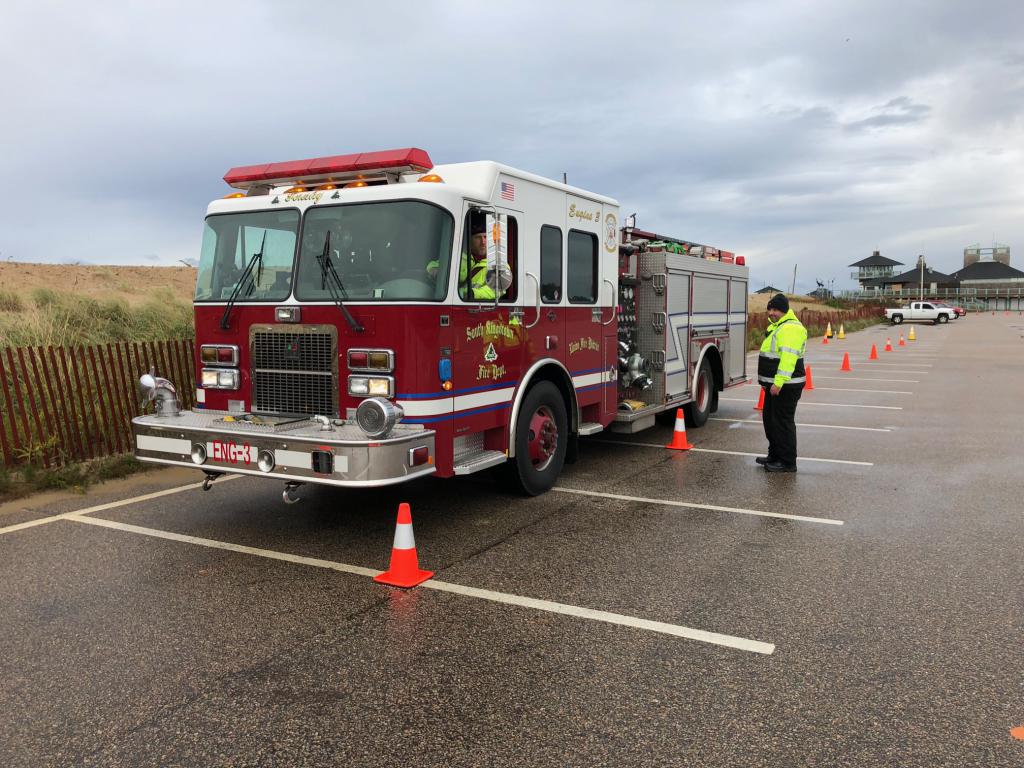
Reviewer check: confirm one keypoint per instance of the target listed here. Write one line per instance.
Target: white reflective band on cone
(680, 424)
(403, 537)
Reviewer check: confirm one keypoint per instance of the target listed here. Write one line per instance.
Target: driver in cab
(474, 263)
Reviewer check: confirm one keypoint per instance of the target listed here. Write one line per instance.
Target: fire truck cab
(363, 320)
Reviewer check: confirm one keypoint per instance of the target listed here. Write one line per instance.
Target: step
(590, 428)
(478, 460)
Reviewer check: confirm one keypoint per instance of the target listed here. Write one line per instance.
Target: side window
(581, 281)
(513, 257)
(927, 306)
(550, 264)
(477, 249)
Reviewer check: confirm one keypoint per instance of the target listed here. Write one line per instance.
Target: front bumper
(233, 447)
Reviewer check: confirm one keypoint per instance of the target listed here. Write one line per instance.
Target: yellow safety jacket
(477, 283)
(781, 361)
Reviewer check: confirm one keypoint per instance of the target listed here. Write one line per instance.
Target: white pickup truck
(920, 311)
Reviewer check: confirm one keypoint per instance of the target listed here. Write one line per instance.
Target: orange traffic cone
(888, 345)
(810, 380)
(760, 401)
(874, 353)
(902, 342)
(846, 362)
(679, 441)
(824, 339)
(404, 570)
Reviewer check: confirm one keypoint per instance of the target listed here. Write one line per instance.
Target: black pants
(779, 416)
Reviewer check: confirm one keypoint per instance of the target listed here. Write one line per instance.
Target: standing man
(780, 370)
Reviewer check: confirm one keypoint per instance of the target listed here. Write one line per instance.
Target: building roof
(988, 270)
(913, 276)
(875, 260)
(769, 289)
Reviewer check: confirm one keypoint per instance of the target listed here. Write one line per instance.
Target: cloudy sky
(806, 133)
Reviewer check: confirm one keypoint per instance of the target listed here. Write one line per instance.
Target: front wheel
(943, 318)
(542, 435)
(704, 397)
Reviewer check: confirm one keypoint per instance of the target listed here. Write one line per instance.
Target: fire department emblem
(490, 354)
(611, 232)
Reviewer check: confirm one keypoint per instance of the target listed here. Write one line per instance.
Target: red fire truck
(367, 319)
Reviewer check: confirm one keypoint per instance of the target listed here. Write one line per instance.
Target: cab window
(550, 264)
(581, 282)
(476, 241)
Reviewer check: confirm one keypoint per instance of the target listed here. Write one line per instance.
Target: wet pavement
(893, 615)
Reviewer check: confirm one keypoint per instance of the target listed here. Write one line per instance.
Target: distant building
(769, 289)
(912, 280)
(989, 274)
(974, 253)
(874, 267)
(821, 294)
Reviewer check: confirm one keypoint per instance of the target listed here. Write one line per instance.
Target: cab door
(545, 286)
(488, 345)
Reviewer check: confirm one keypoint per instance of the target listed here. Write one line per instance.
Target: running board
(479, 460)
(590, 428)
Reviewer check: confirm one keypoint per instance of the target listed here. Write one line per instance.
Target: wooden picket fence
(63, 404)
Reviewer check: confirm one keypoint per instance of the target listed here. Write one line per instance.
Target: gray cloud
(793, 133)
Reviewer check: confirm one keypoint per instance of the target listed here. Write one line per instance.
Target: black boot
(778, 466)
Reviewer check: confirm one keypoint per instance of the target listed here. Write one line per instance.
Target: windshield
(230, 243)
(386, 251)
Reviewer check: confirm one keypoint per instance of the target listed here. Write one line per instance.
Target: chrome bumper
(233, 448)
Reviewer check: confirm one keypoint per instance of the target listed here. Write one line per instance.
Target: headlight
(220, 379)
(370, 386)
(377, 416)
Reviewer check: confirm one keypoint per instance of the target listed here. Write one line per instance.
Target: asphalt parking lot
(658, 608)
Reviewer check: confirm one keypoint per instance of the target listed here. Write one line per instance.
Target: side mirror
(499, 275)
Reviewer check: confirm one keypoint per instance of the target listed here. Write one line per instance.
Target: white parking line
(875, 391)
(677, 630)
(111, 505)
(857, 378)
(689, 505)
(822, 426)
(734, 453)
(751, 403)
(874, 363)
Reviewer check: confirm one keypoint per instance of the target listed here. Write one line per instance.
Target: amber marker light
(447, 386)
(432, 178)
(293, 190)
(325, 187)
(233, 195)
(354, 184)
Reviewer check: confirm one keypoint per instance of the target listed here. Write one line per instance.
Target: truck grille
(294, 369)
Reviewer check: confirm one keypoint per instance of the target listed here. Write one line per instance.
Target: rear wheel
(704, 397)
(542, 434)
(897, 319)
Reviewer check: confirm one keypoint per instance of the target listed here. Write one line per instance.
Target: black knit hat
(477, 223)
(779, 302)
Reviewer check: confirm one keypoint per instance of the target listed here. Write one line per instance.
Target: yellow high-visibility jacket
(781, 361)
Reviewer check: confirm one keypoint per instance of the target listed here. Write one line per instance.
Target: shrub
(11, 302)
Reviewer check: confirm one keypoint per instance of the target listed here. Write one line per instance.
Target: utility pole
(792, 288)
(920, 262)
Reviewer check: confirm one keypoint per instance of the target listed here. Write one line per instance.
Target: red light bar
(741, 260)
(334, 168)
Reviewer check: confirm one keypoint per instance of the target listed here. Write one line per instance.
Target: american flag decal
(508, 191)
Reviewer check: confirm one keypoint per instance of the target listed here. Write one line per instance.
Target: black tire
(897, 319)
(704, 395)
(943, 318)
(539, 459)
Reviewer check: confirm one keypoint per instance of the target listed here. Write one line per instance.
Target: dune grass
(58, 318)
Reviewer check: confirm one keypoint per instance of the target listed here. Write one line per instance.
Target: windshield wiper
(257, 258)
(330, 280)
